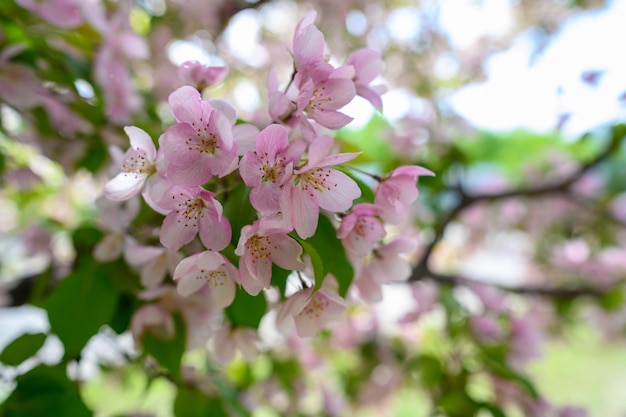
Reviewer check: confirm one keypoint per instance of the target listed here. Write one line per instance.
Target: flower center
(137, 162)
(258, 245)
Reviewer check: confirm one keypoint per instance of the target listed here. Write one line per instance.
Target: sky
(524, 93)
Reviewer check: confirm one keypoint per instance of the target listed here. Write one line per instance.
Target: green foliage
(512, 152)
(190, 402)
(239, 211)
(332, 255)
(279, 278)
(246, 310)
(42, 392)
(371, 140)
(81, 303)
(22, 348)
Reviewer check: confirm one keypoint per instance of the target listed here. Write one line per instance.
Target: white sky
(518, 94)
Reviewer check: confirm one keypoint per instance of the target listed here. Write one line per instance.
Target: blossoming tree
(221, 231)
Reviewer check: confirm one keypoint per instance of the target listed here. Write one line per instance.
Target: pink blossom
(368, 65)
(260, 245)
(19, 84)
(62, 13)
(385, 265)
(226, 342)
(311, 311)
(114, 218)
(280, 106)
(153, 262)
(308, 42)
(152, 318)
(360, 230)
(138, 165)
(397, 192)
(212, 268)
(323, 90)
(269, 167)
(316, 186)
(111, 70)
(193, 210)
(200, 75)
(485, 328)
(201, 144)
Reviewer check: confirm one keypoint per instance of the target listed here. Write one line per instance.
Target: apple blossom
(207, 268)
(269, 167)
(397, 191)
(201, 144)
(138, 165)
(260, 245)
(360, 230)
(316, 186)
(367, 65)
(193, 210)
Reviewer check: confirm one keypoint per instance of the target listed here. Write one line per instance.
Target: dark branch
(563, 293)
(422, 270)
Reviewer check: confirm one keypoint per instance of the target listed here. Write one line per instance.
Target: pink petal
(139, 139)
(245, 135)
(285, 252)
(343, 190)
(186, 105)
(174, 233)
(214, 233)
(300, 208)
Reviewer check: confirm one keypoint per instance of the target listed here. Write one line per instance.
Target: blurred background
(515, 305)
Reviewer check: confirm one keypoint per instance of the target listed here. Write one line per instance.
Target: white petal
(124, 186)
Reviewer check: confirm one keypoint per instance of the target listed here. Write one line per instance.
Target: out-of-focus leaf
(167, 352)
(42, 392)
(279, 278)
(22, 348)
(429, 368)
(495, 410)
(458, 404)
(246, 310)
(239, 211)
(316, 261)
(332, 253)
(192, 403)
(83, 302)
(504, 371)
(612, 299)
(372, 141)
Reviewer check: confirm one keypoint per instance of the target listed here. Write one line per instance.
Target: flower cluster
(291, 175)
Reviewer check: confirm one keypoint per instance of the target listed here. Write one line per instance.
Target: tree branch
(422, 270)
(562, 293)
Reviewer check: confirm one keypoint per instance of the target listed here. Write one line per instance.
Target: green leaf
(239, 211)
(246, 310)
(83, 302)
(167, 352)
(22, 348)
(279, 278)
(430, 369)
(42, 392)
(612, 299)
(504, 371)
(332, 254)
(495, 410)
(316, 261)
(192, 403)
